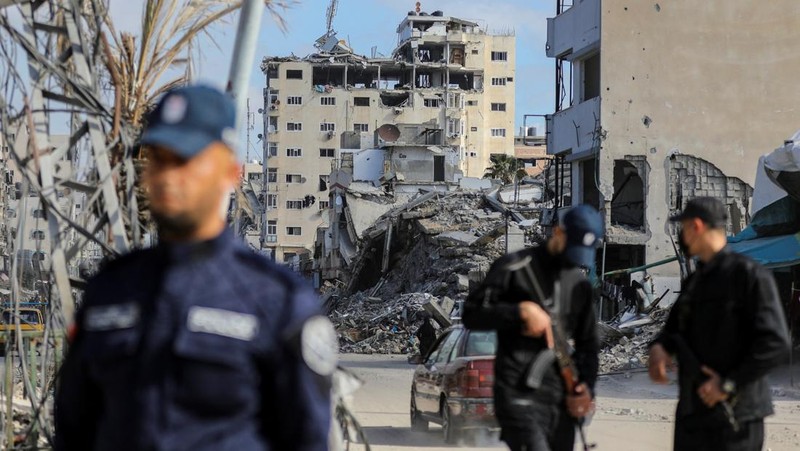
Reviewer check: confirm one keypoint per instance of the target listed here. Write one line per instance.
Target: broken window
(294, 74)
(431, 103)
(627, 205)
(294, 152)
(324, 204)
(455, 128)
(272, 72)
(589, 182)
(294, 178)
(272, 227)
(294, 204)
(361, 101)
(457, 56)
(328, 75)
(272, 201)
(272, 175)
(323, 182)
(455, 100)
(293, 231)
(273, 149)
(358, 128)
(430, 54)
(393, 99)
(37, 235)
(327, 127)
(590, 77)
(423, 81)
(294, 126)
(273, 124)
(38, 213)
(294, 100)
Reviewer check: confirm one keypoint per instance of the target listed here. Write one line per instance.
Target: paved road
(632, 413)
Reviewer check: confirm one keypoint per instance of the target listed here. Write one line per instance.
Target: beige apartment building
(447, 78)
(668, 101)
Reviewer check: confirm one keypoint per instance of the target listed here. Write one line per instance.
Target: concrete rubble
(439, 246)
(625, 343)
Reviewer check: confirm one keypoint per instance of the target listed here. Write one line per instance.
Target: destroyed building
(435, 111)
(658, 103)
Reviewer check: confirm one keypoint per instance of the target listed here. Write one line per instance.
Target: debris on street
(439, 244)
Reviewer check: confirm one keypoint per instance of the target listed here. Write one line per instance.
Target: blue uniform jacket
(203, 346)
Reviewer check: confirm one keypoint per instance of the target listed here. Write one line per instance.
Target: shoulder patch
(242, 326)
(319, 345)
(111, 317)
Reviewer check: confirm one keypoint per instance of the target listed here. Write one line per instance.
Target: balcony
(574, 32)
(573, 129)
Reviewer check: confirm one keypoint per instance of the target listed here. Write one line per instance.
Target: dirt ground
(632, 414)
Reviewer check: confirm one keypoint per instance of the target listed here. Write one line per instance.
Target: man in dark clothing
(198, 343)
(426, 334)
(727, 330)
(531, 403)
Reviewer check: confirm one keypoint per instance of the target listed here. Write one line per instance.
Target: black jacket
(730, 318)
(495, 306)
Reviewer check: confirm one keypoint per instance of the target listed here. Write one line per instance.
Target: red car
(452, 385)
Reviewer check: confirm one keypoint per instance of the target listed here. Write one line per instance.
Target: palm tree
(137, 65)
(504, 168)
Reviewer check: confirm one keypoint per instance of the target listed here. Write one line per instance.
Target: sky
(368, 23)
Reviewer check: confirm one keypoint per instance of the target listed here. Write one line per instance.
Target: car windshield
(480, 343)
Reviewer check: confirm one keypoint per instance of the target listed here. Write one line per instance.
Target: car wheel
(417, 422)
(448, 428)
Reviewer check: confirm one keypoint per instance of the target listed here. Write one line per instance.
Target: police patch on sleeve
(111, 317)
(319, 345)
(226, 323)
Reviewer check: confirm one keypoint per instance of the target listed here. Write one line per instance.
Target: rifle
(690, 369)
(561, 349)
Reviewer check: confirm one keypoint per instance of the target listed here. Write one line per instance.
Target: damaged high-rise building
(439, 107)
(660, 102)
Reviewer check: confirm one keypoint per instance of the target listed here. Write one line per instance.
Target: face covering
(682, 244)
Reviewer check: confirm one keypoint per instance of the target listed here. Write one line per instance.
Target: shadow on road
(407, 437)
(399, 362)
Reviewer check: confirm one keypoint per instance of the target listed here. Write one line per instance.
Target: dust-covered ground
(632, 414)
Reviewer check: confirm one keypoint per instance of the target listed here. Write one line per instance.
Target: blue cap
(584, 227)
(188, 119)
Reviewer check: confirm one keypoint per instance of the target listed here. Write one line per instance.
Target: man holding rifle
(727, 330)
(537, 299)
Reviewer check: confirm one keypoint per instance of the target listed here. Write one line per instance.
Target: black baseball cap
(584, 228)
(707, 209)
(188, 119)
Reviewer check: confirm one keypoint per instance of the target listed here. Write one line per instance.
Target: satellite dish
(389, 132)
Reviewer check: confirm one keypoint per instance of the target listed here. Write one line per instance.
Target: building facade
(448, 80)
(658, 103)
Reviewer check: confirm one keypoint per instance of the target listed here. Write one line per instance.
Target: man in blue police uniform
(198, 343)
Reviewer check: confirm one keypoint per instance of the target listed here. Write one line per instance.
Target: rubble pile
(368, 325)
(436, 247)
(628, 349)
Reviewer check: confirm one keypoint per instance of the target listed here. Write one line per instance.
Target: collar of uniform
(178, 253)
(718, 258)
